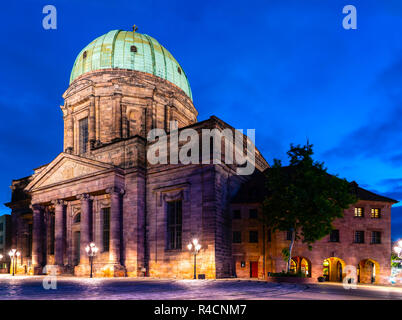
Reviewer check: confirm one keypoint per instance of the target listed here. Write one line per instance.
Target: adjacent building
(5, 241)
(140, 215)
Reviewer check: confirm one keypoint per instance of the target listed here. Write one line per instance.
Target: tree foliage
(303, 198)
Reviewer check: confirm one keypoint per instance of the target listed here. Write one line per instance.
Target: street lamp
(194, 247)
(14, 254)
(398, 249)
(91, 250)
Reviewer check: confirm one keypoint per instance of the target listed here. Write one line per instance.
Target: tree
(303, 198)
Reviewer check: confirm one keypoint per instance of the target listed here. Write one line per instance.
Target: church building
(141, 216)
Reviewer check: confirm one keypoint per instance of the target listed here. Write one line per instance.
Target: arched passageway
(333, 269)
(367, 271)
(300, 265)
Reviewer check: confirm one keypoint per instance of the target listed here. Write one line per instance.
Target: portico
(55, 192)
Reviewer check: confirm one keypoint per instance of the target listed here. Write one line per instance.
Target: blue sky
(286, 68)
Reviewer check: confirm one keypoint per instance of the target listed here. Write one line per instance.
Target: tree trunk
(292, 241)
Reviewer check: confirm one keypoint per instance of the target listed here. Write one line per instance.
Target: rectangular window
(375, 237)
(359, 237)
(236, 237)
(83, 133)
(106, 229)
(253, 213)
(236, 214)
(375, 213)
(253, 237)
(1, 239)
(174, 224)
(269, 235)
(52, 235)
(1, 226)
(289, 235)
(334, 236)
(359, 212)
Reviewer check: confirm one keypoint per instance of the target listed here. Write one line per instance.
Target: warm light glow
(195, 242)
(1, 256)
(189, 246)
(87, 249)
(18, 253)
(198, 247)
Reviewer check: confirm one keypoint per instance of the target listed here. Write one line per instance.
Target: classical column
(68, 129)
(36, 235)
(91, 122)
(117, 125)
(115, 223)
(59, 232)
(85, 225)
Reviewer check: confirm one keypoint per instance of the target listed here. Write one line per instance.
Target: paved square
(69, 288)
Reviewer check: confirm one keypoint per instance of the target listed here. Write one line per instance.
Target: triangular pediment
(66, 167)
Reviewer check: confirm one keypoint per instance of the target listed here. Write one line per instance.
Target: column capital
(58, 202)
(36, 206)
(115, 190)
(84, 196)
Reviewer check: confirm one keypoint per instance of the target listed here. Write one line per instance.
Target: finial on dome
(135, 28)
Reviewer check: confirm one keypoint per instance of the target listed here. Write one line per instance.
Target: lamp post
(91, 250)
(14, 254)
(194, 247)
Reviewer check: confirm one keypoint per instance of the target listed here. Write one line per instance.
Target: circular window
(178, 70)
(133, 49)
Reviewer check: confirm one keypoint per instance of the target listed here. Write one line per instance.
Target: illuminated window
(83, 131)
(174, 224)
(359, 212)
(334, 236)
(375, 237)
(253, 237)
(236, 237)
(106, 228)
(375, 213)
(359, 236)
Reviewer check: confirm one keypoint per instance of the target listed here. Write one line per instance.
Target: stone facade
(63, 201)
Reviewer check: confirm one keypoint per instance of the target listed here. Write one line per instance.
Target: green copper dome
(130, 50)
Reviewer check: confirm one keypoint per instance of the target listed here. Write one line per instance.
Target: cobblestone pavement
(68, 288)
